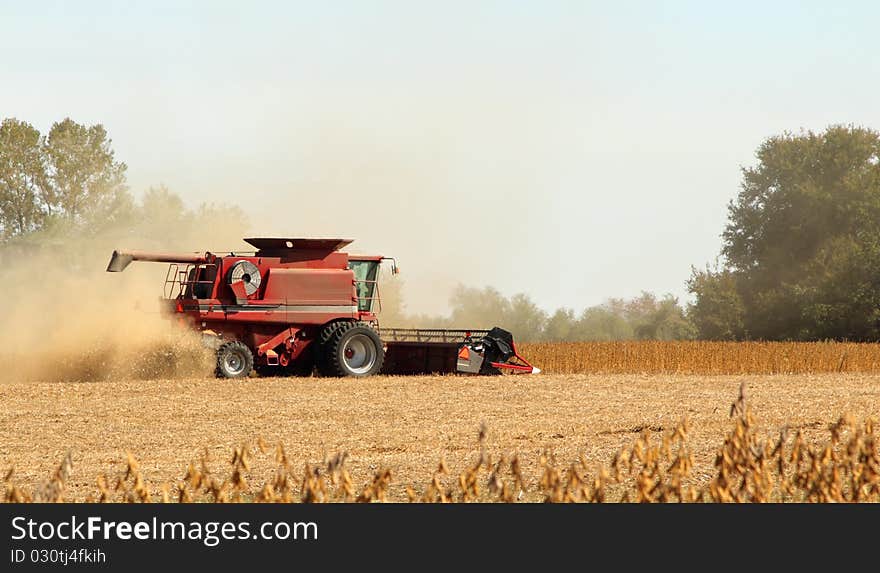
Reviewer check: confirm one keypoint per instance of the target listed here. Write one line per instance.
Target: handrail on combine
(375, 296)
(177, 282)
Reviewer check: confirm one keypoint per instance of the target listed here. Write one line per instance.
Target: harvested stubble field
(405, 424)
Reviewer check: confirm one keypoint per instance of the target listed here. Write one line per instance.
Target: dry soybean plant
(702, 357)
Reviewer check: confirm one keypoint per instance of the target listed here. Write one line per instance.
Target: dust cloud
(67, 319)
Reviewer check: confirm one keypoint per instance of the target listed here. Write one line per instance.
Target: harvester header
(296, 305)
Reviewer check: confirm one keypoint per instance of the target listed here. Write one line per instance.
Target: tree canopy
(69, 176)
(23, 178)
(802, 243)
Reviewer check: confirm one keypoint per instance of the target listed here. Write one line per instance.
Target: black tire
(350, 349)
(321, 352)
(234, 360)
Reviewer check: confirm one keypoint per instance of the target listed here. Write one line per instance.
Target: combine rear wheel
(350, 349)
(234, 360)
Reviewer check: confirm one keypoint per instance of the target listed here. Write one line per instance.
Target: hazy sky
(569, 150)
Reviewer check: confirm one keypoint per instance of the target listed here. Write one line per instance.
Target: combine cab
(296, 305)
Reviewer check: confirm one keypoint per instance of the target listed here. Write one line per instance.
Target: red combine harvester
(299, 304)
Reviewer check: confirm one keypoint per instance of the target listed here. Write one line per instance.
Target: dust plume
(67, 319)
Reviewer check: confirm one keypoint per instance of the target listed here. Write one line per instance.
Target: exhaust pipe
(121, 259)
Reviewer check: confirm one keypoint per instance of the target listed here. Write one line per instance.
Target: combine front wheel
(234, 360)
(351, 349)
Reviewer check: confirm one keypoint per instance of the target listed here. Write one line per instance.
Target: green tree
(525, 319)
(717, 312)
(645, 317)
(560, 326)
(487, 307)
(87, 182)
(800, 243)
(161, 209)
(604, 322)
(659, 319)
(478, 308)
(23, 178)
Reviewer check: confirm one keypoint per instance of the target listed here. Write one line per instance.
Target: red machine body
(288, 303)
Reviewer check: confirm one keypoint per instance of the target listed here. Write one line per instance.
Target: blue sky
(570, 150)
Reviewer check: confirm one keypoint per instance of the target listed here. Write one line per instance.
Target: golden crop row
(702, 357)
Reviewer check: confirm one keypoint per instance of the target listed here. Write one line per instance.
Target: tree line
(646, 317)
